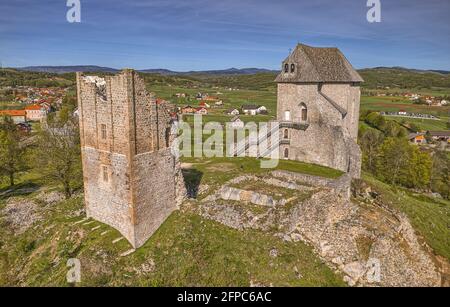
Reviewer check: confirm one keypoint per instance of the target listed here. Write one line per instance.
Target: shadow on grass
(192, 178)
(21, 189)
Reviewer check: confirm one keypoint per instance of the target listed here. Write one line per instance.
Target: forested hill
(380, 77)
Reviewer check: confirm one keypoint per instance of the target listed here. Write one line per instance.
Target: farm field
(423, 124)
(231, 99)
(395, 104)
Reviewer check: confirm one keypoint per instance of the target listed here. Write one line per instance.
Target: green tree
(59, 152)
(376, 120)
(393, 160)
(402, 163)
(440, 174)
(428, 137)
(393, 129)
(370, 141)
(11, 150)
(420, 165)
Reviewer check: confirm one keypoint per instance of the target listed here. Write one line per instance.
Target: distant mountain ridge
(94, 68)
(68, 69)
(229, 71)
(398, 68)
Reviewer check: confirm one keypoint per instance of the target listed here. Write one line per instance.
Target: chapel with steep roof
(318, 104)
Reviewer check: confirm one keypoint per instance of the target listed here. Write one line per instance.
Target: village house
(201, 96)
(417, 138)
(262, 110)
(211, 98)
(201, 111)
(187, 110)
(251, 109)
(35, 112)
(232, 111)
(18, 116)
(441, 136)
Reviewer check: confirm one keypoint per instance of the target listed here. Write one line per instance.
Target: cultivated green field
(394, 104)
(423, 124)
(231, 99)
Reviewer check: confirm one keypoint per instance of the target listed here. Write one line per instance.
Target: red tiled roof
(13, 112)
(33, 107)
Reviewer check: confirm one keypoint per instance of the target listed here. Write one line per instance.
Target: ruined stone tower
(318, 109)
(131, 180)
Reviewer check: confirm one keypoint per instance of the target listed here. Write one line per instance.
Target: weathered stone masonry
(132, 181)
(318, 108)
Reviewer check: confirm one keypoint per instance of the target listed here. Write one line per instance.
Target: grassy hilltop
(189, 250)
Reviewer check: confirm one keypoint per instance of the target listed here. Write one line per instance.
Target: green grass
(187, 250)
(231, 99)
(430, 217)
(395, 104)
(223, 118)
(423, 124)
(217, 171)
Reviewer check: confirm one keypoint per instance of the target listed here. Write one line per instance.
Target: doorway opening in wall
(286, 153)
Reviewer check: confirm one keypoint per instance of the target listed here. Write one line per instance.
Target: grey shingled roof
(313, 64)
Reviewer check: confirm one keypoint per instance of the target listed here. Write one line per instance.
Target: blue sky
(216, 34)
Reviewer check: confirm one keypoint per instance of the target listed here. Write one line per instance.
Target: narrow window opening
(304, 112)
(105, 173)
(287, 115)
(103, 129)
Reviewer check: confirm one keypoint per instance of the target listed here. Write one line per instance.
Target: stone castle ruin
(318, 109)
(133, 182)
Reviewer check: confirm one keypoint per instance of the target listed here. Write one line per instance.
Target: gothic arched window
(286, 68)
(286, 134)
(304, 112)
(292, 68)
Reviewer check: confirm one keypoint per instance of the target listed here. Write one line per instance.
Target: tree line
(52, 152)
(388, 154)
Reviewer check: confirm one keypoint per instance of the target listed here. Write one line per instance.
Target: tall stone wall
(330, 138)
(154, 191)
(131, 180)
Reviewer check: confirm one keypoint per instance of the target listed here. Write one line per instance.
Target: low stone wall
(340, 185)
(230, 193)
